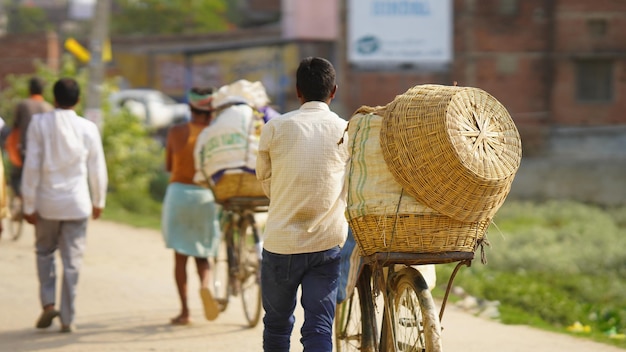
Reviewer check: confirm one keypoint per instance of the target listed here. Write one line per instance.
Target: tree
(132, 17)
(26, 19)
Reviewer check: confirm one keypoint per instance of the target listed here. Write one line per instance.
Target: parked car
(156, 109)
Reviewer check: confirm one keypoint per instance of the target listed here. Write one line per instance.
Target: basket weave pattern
(242, 184)
(416, 233)
(382, 216)
(455, 149)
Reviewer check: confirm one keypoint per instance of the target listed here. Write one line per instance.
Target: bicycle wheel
(348, 329)
(414, 323)
(16, 220)
(356, 321)
(250, 269)
(220, 274)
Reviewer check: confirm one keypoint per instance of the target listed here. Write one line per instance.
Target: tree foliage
(26, 19)
(132, 17)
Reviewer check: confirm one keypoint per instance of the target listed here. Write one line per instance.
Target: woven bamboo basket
(456, 149)
(416, 233)
(241, 184)
(382, 216)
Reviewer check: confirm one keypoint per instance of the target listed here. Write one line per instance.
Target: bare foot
(180, 320)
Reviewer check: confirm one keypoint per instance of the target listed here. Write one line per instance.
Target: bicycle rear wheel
(414, 322)
(220, 276)
(250, 268)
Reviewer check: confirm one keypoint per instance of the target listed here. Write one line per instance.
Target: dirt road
(126, 297)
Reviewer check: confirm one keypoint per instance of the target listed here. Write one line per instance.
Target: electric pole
(99, 34)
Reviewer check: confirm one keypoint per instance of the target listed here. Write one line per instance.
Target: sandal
(211, 308)
(46, 317)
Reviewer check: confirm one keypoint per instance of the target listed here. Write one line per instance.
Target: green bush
(554, 264)
(133, 160)
(158, 185)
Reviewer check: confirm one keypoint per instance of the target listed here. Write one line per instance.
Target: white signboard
(400, 32)
(82, 9)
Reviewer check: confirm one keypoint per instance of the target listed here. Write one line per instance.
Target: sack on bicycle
(226, 150)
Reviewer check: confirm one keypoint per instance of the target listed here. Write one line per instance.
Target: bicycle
(237, 266)
(409, 321)
(16, 216)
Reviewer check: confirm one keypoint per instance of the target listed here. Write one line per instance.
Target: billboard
(399, 32)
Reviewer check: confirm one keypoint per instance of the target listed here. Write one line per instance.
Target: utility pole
(99, 34)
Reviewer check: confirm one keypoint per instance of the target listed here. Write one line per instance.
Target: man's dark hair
(315, 79)
(66, 92)
(35, 86)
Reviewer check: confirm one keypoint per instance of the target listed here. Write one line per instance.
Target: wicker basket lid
(455, 149)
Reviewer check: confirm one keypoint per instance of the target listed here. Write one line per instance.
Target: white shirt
(64, 172)
(302, 169)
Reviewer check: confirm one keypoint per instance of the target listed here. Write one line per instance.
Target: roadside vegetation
(556, 265)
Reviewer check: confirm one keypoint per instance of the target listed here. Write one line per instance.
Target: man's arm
(31, 172)
(263, 160)
(97, 172)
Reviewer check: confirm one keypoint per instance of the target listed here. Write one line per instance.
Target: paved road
(127, 295)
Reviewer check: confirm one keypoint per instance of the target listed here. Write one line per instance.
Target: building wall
(20, 52)
(576, 40)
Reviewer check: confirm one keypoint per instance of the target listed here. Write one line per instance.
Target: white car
(156, 109)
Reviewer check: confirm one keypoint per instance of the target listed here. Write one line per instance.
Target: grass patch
(146, 216)
(551, 265)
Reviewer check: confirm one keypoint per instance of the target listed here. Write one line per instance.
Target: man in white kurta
(64, 182)
(302, 168)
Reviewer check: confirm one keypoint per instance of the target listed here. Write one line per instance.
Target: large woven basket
(241, 184)
(416, 233)
(456, 149)
(382, 216)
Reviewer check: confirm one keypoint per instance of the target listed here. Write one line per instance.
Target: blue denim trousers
(281, 275)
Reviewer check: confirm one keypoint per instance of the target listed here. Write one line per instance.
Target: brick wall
(20, 52)
(575, 40)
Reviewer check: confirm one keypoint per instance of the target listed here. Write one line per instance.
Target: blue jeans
(281, 275)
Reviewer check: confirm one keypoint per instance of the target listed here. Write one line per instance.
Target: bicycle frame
(242, 242)
(376, 273)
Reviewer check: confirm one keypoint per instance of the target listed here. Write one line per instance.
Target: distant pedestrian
(190, 223)
(302, 169)
(64, 182)
(17, 138)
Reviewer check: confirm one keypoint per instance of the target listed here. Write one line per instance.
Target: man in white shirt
(64, 182)
(302, 168)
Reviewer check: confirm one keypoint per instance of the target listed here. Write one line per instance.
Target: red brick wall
(574, 40)
(19, 53)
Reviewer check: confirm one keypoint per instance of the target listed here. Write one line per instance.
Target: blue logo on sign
(367, 45)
